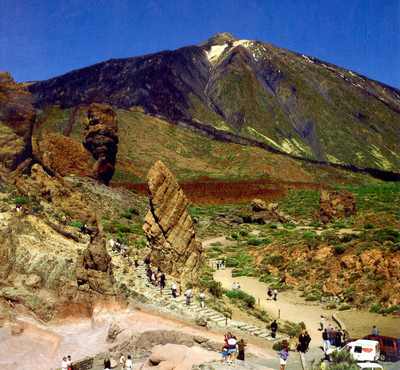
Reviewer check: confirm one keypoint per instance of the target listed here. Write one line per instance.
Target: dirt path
(289, 305)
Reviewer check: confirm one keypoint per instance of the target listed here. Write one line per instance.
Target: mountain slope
(289, 102)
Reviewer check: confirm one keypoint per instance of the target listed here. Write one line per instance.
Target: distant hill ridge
(249, 91)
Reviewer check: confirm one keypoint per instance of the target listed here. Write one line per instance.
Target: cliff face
(292, 103)
(169, 227)
(17, 116)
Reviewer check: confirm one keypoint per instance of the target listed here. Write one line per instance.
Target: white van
(369, 366)
(361, 350)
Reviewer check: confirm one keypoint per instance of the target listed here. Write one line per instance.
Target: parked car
(389, 347)
(362, 350)
(369, 366)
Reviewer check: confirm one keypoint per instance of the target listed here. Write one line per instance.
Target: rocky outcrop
(169, 227)
(336, 204)
(101, 139)
(262, 213)
(95, 270)
(16, 121)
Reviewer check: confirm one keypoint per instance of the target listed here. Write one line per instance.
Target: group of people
(66, 363)
(155, 277)
(272, 294)
(332, 337)
(232, 348)
(220, 264)
(304, 341)
(124, 363)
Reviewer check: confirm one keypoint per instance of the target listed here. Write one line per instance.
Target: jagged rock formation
(16, 121)
(169, 227)
(101, 139)
(96, 270)
(336, 204)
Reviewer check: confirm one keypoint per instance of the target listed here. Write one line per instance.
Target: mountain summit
(250, 91)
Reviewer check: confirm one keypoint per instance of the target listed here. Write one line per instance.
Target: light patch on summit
(245, 43)
(215, 52)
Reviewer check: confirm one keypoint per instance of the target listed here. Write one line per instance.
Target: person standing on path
(321, 323)
(283, 356)
(274, 328)
(122, 362)
(129, 363)
(202, 297)
(162, 281)
(69, 362)
(188, 296)
(325, 341)
(275, 293)
(375, 330)
(64, 364)
(107, 363)
(174, 290)
(269, 293)
(241, 348)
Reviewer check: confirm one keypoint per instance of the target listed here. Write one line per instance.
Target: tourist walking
(69, 362)
(122, 361)
(107, 363)
(188, 296)
(304, 341)
(283, 356)
(339, 338)
(174, 290)
(269, 293)
(321, 323)
(274, 328)
(202, 298)
(325, 340)
(162, 281)
(64, 364)
(129, 363)
(374, 330)
(241, 348)
(275, 294)
(232, 348)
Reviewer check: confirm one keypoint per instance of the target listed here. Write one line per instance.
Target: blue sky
(44, 38)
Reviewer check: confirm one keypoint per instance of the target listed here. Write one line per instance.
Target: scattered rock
(101, 139)
(169, 227)
(201, 321)
(33, 281)
(336, 204)
(262, 213)
(113, 331)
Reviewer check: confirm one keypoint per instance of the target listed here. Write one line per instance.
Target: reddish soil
(206, 191)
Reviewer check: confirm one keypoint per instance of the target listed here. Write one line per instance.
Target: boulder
(17, 116)
(113, 331)
(33, 281)
(336, 204)
(16, 328)
(101, 140)
(169, 227)
(258, 205)
(262, 213)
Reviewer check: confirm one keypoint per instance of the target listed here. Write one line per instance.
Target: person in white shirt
(64, 364)
(202, 297)
(129, 363)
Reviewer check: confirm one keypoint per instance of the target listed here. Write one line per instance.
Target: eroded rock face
(101, 139)
(169, 227)
(96, 270)
(262, 213)
(336, 204)
(16, 121)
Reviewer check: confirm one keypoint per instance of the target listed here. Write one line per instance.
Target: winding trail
(289, 306)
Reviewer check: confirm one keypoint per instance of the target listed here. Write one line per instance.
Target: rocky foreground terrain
(228, 115)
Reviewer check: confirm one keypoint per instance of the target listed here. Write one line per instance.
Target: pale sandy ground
(41, 347)
(290, 306)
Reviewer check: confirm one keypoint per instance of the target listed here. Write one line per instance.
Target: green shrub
(247, 299)
(76, 223)
(387, 234)
(273, 259)
(235, 236)
(344, 307)
(130, 213)
(258, 241)
(309, 235)
(339, 249)
(375, 308)
(21, 200)
(368, 226)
